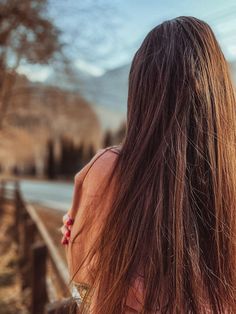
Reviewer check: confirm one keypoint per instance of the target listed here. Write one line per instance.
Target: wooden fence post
(2, 194)
(17, 204)
(33, 257)
(39, 296)
(29, 231)
(23, 216)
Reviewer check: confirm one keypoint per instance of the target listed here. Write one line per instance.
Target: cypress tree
(50, 161)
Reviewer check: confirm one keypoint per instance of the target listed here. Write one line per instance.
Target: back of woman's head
(173, 214)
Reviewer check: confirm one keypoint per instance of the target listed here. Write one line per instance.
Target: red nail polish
(69, 222)
(68, 233)
(64, 241)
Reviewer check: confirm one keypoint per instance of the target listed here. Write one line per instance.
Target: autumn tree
(26, 33)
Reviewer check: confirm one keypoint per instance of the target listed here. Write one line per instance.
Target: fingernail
(68, 233)
(69, 222)
(64, 241)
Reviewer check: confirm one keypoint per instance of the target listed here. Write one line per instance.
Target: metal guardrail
(36, 249)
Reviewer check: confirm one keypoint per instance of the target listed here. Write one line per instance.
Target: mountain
(109, 90)
(106, 93)
(233, 70)
(37, 113)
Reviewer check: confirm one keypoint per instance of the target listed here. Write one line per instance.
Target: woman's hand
(68, 219)
(66, 228)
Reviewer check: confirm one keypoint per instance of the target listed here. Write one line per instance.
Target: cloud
(35, 73)
(231, 52)
(89, 68)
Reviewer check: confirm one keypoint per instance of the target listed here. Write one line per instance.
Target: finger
(64, 240)
(69, 222)
(65, 218)
(67, 234)
(65, 231)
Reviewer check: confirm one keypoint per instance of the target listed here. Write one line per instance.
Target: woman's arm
(79, 178)
(68, 218)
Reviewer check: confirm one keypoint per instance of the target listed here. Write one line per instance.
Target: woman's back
(172, 207)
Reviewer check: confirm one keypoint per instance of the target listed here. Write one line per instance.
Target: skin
(65, 229)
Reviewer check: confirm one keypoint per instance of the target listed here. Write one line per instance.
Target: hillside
(39, 112)
(233, 70)
(109, 93)
(106, 93)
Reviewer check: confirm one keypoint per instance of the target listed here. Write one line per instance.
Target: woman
(154, 219)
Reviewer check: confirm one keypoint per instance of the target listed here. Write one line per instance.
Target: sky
(103, 34)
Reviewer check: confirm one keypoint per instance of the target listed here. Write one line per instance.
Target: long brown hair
(173, 212)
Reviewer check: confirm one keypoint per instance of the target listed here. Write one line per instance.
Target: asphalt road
(56, 195)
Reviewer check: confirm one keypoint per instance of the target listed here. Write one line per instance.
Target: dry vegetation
(11, 298)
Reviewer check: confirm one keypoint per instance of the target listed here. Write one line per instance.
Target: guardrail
(39, 259)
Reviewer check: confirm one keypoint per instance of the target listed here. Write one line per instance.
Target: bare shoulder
(100, 165)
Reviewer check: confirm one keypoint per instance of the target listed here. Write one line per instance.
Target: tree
(63, 162)
(120, 134)
(79, 152)
(25, 34)
(90, 153)
(108, 139)
(50, 161)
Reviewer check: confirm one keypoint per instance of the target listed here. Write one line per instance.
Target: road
(56, 195)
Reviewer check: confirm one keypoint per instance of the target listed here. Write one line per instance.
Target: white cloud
(231, 52)
(89, 68)
(35, 73)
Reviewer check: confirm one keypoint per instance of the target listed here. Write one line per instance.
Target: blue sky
(126, 22)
